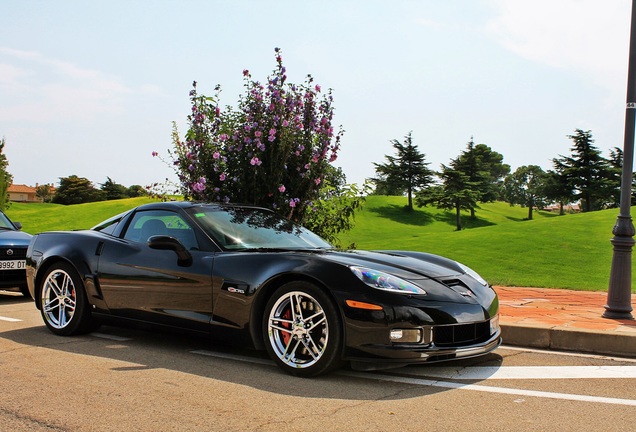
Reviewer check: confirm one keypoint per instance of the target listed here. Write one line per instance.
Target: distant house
(24, 193)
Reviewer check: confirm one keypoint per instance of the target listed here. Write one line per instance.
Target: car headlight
(385, 281)
(473, 274)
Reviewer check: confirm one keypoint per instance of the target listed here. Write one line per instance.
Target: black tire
(64, 306)
(302, 330)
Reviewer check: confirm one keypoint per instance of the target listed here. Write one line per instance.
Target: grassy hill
(571, 251)
(37, 217)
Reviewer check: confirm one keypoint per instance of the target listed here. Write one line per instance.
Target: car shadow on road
(145, 350)
(11, 297)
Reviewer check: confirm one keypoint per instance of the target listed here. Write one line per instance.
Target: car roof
(189, 204)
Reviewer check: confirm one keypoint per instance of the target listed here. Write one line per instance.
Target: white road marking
(110, 337)
(234, 357)
(3, 318)
(525, 372)
(500, 390)
(567, 354)
(463, 386)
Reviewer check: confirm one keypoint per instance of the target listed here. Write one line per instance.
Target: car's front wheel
(64, 306)
(302, 330)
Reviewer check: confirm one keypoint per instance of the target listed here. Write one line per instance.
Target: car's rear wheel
(302, 330)
(64, 306)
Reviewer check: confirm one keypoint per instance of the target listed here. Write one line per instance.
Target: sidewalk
(564, 320)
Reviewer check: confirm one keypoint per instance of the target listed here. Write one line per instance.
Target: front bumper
(409, 331)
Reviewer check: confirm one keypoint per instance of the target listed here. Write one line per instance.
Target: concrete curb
(568, 339)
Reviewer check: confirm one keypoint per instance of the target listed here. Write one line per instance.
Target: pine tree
(456, 192)
(587, 172)
(407, 172)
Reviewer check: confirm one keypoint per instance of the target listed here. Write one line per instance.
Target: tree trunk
(458, 216)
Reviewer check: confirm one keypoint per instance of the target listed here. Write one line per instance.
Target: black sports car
(13, 247)
(246, 276)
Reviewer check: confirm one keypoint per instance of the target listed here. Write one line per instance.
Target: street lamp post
(619, 293)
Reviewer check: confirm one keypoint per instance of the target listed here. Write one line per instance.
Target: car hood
(14, 238)
(405, 264)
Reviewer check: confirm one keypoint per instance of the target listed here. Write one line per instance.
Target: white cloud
(589, 37)
(36, 86)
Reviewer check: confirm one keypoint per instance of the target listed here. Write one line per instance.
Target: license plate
(13, 265)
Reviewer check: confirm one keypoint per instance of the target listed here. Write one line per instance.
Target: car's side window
(146, 224)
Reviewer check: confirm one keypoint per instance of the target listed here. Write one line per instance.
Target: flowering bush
(273, 151)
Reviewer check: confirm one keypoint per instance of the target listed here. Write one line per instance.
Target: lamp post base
(619, 293)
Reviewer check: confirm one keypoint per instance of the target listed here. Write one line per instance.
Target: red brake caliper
(286, 335)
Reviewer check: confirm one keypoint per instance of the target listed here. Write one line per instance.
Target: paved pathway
(564, 319)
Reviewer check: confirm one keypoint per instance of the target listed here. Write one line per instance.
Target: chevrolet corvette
(245, 276)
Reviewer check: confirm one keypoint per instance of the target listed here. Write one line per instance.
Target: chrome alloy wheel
(298, 329)
(59, 298)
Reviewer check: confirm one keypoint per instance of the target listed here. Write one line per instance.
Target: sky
(93, 88)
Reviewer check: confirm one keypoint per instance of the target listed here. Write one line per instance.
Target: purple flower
(154, 153)
(216, 155)
(200, 185)
(255, 161)
(317, 88)
(222, 177)
(246, 72)
(281, 189)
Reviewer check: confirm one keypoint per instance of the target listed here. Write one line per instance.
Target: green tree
(6, 179)
(77, 190)
(136, 191)
(113, 191)
(525, 187)
(588, 173)
(407, 171)
(456, 192)
(44, 192)
(485, 169)
(275, 150)
(557, 188)
(616, 171)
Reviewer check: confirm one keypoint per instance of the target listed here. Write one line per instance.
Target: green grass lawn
(36, 217)
(571, 251)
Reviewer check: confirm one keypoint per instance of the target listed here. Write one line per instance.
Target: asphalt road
(133, 380)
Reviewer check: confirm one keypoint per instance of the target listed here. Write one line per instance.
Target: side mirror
(160, 242)
(18, 225)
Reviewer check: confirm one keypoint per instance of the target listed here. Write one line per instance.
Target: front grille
(11, 278)
(17, 253)
(461, 334)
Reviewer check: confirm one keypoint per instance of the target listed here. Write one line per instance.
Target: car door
(151, 285)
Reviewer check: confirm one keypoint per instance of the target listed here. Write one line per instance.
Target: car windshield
(5, 223)
(240, 228)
